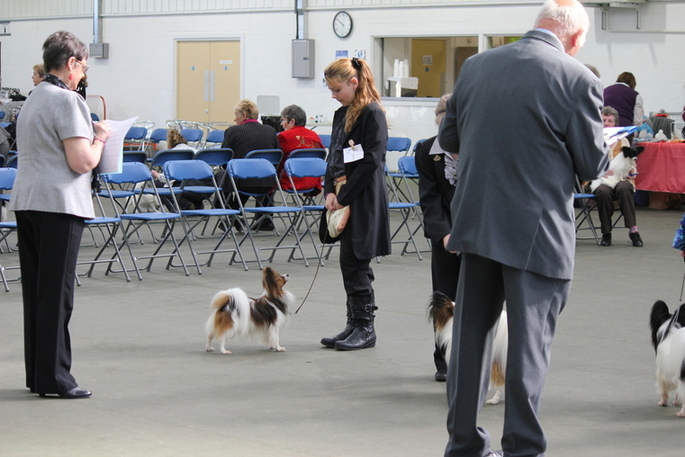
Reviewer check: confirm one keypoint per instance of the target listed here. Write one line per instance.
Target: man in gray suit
(525, 120)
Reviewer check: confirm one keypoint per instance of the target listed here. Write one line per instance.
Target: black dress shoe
(440, 376)
(606, 240)
(76, 392)
(636, 239)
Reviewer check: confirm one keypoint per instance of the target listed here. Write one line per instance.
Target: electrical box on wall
(99, 50)
(303, 59)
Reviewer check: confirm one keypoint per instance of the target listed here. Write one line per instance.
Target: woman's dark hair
(59, 47)
(627, 78)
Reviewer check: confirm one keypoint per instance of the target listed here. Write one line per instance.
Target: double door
(208, 77)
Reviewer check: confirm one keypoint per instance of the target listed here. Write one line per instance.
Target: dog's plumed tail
(227, 306)
(499, 351)
(441, 313)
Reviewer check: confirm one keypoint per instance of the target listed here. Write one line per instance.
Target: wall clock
(342, 24)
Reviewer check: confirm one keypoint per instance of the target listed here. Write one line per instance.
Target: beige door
(428, 64)
(208, 75)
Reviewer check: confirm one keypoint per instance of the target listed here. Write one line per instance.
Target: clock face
(342, 24)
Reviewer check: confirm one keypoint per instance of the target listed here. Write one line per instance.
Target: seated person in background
(622, 193)
(296, 136)
(38, 74)
(187, 200)
(174, 140)
(247, 135)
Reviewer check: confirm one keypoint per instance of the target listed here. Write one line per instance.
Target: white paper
(113, 153)
(353, 153)
(613, 135)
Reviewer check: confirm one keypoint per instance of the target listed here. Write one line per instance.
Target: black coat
(365, 191)
(435, 192)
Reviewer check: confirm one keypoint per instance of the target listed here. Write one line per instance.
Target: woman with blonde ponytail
(357, 158)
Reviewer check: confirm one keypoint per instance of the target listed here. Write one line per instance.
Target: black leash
(316, 273)
(682, 286)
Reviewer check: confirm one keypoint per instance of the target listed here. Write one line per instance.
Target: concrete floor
(139, 347)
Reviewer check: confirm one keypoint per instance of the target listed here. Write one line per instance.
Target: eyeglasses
(83, 66)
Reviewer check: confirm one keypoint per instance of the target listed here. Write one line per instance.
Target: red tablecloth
(661, 168)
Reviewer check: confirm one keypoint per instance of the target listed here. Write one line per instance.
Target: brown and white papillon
(441, 312)
(668, 339)
(233, 313)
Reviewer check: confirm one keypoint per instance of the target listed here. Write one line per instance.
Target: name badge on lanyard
(353, 153)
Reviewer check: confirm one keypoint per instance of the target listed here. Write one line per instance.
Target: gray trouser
(533, 304)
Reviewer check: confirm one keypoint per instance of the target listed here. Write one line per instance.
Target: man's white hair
(567, 16)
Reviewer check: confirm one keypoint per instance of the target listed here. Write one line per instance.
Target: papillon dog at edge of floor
(441, 312)
(668, 339)
(233, 313)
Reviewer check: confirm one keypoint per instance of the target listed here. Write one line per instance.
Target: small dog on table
(668, 339)
(441, 312)
(234, 313)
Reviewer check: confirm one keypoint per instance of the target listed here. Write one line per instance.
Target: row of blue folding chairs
(292, 214)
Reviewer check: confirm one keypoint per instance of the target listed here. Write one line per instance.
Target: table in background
(661, 168)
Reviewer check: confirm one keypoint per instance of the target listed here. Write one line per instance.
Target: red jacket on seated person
(298, 137)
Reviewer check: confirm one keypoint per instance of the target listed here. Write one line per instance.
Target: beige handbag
(337, 219)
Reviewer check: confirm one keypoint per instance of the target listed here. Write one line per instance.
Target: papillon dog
(668, 339)
(234, 313)
(620, 166)
(441, 312)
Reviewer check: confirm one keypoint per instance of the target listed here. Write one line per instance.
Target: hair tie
(356, 64)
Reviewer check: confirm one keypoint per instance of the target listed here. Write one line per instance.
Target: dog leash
(316, 273)
(682, 287)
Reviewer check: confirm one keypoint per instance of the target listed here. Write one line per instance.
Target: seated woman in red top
(296, 136)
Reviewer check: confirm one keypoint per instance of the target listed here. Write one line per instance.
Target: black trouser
(444, 275)
(48, 252)
(605, 197)
(357, 273)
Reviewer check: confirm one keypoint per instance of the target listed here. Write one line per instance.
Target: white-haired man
(513, 216)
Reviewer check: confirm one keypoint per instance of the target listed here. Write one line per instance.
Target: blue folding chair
(398, 144)
(306, 167)
(193, 136)
(274, 156)
(135, 156)
(259, 168)
(136, 136)
(215, 157)
(308, 152)
(325, 140)
(7, 177)
(158, 135)
(134, 173)
(197, 170)
(109, 227)
(214, 137)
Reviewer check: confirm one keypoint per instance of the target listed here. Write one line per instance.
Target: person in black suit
(513, 218)
(357, 157)
(437, 177)
(247, 135)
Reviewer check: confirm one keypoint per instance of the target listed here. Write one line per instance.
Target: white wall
(138, 78)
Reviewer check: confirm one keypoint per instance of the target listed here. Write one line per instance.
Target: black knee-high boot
(364, 335)
(349, 327)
